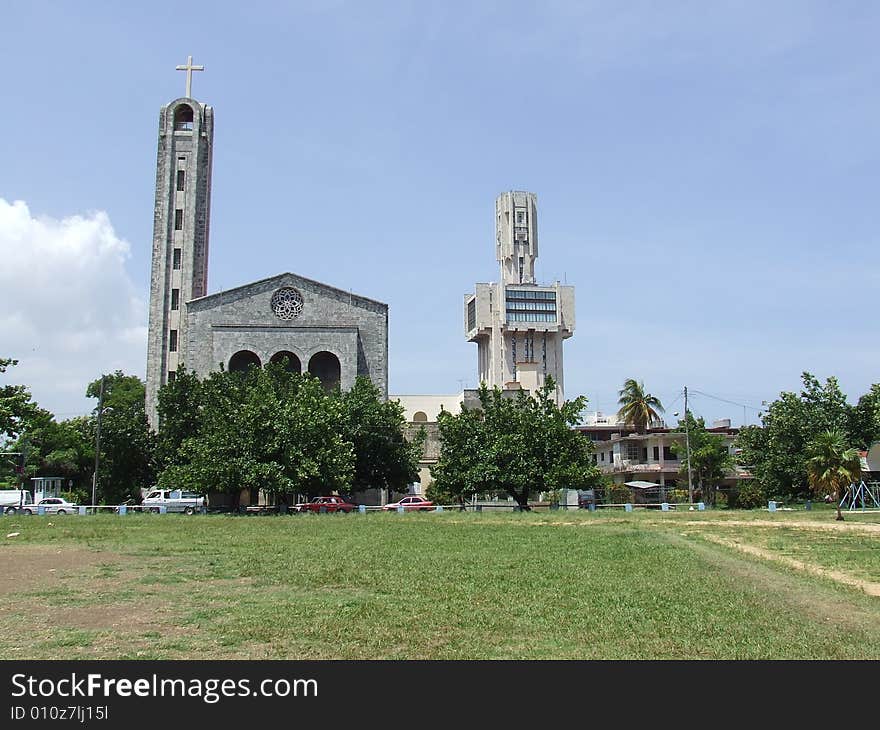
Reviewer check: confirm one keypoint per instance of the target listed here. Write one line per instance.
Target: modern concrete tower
(519, 325)
(180, 232)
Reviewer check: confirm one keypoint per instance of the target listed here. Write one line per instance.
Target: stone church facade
(309, 326)
(330, 333)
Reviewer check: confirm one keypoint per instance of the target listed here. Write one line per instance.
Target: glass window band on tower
(529, 305)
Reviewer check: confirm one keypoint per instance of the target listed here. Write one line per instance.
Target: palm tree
(636, 406)
(832, 465)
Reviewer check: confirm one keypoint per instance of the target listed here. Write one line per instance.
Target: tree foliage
(710, 459)
(864, 419)
(517, 445)
(56, 448)
(383, 458)
(278, 431)
(120, 391)
(128, 445)
(638, 407)
(776, 451)
(67, 448)
(16, 405)
(179, 410)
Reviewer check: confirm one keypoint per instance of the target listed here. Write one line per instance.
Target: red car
(325, 504)
(410, 503)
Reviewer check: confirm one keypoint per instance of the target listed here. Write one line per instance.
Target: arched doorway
(326, 368)
(242, 360)
(288, 359)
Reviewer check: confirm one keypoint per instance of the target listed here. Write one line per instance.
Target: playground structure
(861, 493)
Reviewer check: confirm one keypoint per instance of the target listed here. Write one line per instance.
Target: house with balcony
(646, 461)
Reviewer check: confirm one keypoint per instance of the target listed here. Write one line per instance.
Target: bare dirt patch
(31, 567)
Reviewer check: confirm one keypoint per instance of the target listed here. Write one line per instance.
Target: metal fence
(125, 509)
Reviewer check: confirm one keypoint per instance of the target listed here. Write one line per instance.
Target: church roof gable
(256, 287)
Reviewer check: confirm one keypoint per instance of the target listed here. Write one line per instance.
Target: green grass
(607, 585)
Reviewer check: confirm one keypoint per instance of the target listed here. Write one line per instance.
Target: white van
(12, 500)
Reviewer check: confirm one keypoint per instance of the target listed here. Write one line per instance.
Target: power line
(673, 402)
(724, 400)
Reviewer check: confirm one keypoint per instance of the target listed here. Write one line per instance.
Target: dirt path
(803, 524)
(872, 589)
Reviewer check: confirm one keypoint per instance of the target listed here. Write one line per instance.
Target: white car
(52, 506)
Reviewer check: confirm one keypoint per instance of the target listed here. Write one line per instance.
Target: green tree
(864, 423)
(120, 391)
(383, 459)
(59, 448)
(514, 444)
(16, 405)
(832, 465)
(127, 463)
(179, 410)
(710, 459)
(462, 469)
(265, 429)
(636, 406)
(776, 451)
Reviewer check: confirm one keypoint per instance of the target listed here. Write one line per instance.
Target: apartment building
(648, 458)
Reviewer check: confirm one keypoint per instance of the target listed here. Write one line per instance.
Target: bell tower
(181, 221)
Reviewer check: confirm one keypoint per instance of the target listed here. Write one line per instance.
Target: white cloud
(69, 308)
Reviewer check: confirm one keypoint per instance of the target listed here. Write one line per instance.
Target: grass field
(557, 585)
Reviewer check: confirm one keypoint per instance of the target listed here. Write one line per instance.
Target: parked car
(412, 502)
(12, 500)
(325, 504)
(52, 506)
(587, 498)
(173, 500)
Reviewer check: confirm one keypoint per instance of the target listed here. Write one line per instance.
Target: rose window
(287, 303)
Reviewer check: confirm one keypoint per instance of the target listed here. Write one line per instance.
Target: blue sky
(707, 177)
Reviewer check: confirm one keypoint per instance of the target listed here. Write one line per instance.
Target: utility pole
(687, 441)
(98, 445)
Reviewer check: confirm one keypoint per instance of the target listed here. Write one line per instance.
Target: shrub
(439, 495)
(677, 496)
(77, 496)
(554, 495)
(748, 496)
(618, 494)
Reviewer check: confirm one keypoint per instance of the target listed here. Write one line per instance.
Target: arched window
(420, 417)
(326, 368)
(288, 359)
(242, 360)
(183, 118)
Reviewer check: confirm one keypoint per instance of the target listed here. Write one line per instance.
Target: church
(309, 326)
(518, 324)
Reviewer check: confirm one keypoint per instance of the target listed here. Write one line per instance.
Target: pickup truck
(12, 500)
(174, 500)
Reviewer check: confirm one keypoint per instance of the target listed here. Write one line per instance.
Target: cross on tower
(189, 68)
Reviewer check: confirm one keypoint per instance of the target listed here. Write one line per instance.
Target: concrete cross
(189, 68)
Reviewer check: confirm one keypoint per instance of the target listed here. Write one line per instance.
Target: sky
(707, 178)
